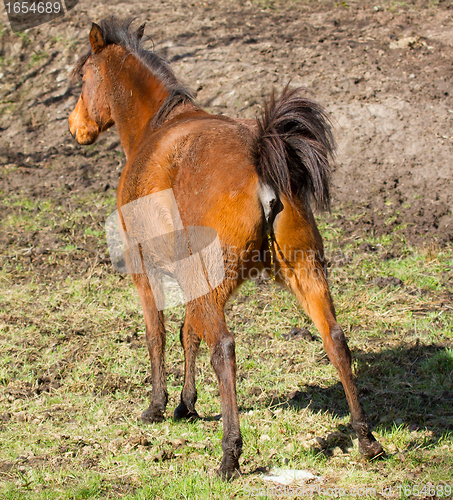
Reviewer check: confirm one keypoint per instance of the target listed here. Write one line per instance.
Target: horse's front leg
(155, 340)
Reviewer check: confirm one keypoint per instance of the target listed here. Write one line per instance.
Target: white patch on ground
(289, 476)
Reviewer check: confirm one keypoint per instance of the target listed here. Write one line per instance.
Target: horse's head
(123, 83)
(92, 114)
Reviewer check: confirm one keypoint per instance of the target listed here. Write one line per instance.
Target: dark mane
(120, 33)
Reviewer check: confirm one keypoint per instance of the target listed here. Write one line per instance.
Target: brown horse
(248, 180)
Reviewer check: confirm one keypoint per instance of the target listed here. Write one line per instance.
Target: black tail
(293, 147)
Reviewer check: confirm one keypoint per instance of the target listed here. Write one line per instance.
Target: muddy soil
(384, 69)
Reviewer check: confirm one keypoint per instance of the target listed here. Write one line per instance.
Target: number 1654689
(33, 7)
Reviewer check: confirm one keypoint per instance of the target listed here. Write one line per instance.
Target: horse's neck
(135, 97)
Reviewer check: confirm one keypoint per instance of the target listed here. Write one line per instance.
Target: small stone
(298, 333)
(264, 437)
(296, 396)
(305, 444)
(289, 447)
(6, 466)
(163, 455)
(404, 43)
(21, 416)
(321, 442)
(179, 443)
(337, 451)
(337, 436)
(144, 441)
(269, 414)
(115, 444)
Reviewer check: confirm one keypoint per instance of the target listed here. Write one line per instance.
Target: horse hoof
(228, 473)
(368, 446)
(182, 412)
(151, 415)
(371, 450)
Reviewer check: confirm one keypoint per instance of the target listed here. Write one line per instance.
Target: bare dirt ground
(383, 69)
(71, 332)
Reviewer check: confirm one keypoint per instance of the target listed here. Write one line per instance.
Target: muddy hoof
(371, 449)
(229, 473)
(152, 415)
(368, 446)
(182, 412)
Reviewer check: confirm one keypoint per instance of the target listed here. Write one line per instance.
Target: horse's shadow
(399, 386)
(409, 386)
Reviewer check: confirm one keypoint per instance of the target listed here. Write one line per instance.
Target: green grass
(38, 57)
(74, 371)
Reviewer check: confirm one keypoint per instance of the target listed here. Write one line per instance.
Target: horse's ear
(141, 31)
(96, 39)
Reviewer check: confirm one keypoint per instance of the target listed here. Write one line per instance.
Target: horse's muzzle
(84, 130)
(83, 135)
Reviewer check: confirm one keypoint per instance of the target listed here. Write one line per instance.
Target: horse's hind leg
(155, 340)
(300, 261)
(190, 342)
(317, 301)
